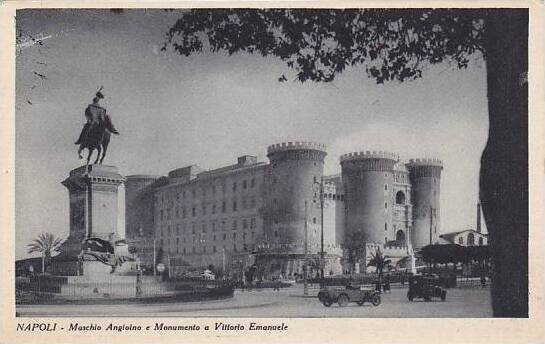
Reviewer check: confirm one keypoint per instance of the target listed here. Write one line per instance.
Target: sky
(208, 109)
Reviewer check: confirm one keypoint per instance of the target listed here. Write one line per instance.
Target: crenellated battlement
(369, 155)
(425, 162)
(296, 145)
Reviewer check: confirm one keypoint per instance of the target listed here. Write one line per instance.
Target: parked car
(426, 287)
(350, 293)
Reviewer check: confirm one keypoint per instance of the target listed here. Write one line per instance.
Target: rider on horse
(94, 130)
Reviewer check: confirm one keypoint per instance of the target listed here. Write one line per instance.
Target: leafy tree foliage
(379, 260)
(318, 44)
(46, 244)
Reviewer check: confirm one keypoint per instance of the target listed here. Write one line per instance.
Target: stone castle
(270, 214)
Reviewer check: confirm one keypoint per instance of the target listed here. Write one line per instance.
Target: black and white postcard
(275, 172)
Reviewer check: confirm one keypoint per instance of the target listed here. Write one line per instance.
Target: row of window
(245, 203)
(206, 249)
(202, 191)
(470, 240)
(202, 238)
(245, 223)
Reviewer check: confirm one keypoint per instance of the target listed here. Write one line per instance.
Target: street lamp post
(322, 261)
(305, 266)
(322, 252)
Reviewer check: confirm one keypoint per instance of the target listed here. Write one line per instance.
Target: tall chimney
(479, 217)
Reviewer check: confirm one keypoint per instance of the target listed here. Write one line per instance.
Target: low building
(467, 237)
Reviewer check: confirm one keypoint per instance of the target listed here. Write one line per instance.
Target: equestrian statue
(97, 130)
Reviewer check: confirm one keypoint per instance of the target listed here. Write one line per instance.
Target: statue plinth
(93, 196)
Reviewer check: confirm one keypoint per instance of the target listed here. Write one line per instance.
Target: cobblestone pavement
(288, 302)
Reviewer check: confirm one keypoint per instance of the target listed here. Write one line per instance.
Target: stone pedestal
(94, 210)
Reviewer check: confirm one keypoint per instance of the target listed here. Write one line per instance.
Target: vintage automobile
(350, 293)
(426, 287)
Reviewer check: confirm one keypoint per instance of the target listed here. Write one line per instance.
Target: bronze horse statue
(97, 131)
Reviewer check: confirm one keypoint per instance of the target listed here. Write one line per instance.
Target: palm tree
(379, 261)
(46, 243)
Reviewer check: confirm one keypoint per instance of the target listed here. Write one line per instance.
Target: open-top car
(426, 287)
(350, 293)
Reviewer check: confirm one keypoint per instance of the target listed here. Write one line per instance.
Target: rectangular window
(213, 208)
(234, 235)
(204, 227)
(252, 202)
(213, 226)
(184, 213)
(203, 209)
(244, 224)
(234, 225)
(193, 212)
(234, 186)
(224, 236)
(223, 206)
(234, 205)
(214, 249)
(244, 184)
(252, 182)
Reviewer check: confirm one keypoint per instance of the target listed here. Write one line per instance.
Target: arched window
(470, 239)
(400, 197)
(400, 236)
(461, 240)
(480, 241)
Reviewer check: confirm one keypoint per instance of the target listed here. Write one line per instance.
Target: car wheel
(444, 295)
(410, 296)
(327, 303)
(343, 300)
(427, 298)
(375, 300)
(360, 303)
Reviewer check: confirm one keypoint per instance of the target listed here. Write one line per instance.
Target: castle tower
(295, 171)
(425, 176)
(94, 207)
(368, 178)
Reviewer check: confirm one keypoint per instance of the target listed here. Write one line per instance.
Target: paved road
(289, 302)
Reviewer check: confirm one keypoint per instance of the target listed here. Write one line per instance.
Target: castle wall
(207, 217)
(425, 175)
(139, 220)
(199, 218)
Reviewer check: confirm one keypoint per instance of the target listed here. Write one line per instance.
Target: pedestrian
(387, 283)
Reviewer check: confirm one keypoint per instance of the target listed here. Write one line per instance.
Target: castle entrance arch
(400, 236)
